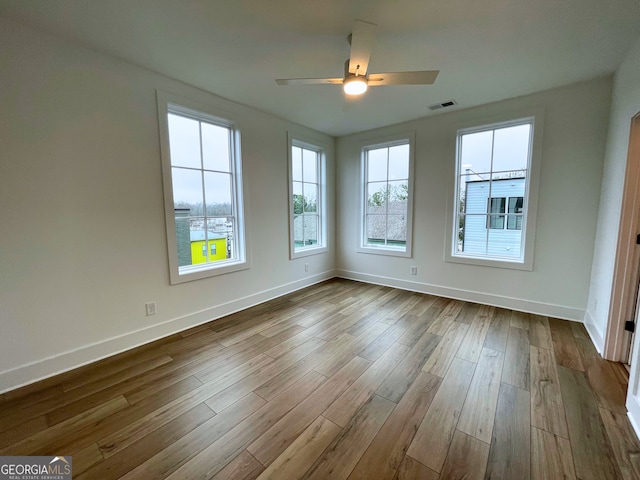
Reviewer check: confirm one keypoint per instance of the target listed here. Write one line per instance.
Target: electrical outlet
(151, 308)
(413, 270)
(306, 267)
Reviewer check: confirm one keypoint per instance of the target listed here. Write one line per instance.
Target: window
(387, 197)
(514, 217)
(496, 205)
(203, 190)
(308, 235)
(496, 184)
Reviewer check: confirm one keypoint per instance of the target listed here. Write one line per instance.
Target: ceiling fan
(356, 80)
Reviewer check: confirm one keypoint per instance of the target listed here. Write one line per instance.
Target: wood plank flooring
(341, 380)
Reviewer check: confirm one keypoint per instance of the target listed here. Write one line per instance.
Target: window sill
(197, 273)
(390, 251)
(495, 262)
(307, 252)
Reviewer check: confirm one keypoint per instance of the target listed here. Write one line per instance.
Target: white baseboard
(528, 306)
(596, 335)
(633, 413)
(54, 365)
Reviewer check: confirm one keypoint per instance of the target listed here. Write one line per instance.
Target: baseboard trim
(48, 367)
(55, 365)
(528, 306)
(633, 414)
(594, 333)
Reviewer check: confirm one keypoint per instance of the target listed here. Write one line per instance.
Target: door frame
(626, 272)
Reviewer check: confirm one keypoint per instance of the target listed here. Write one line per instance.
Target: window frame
(530, 199)
(407, 138)
(296, 139)
(201, 110)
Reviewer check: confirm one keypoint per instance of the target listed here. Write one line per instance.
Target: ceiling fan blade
(426, 77)
(362, 37)
(309, 81)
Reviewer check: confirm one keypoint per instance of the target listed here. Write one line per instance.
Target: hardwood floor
(341, 380)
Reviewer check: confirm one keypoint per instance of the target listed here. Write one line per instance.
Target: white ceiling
(486, 50)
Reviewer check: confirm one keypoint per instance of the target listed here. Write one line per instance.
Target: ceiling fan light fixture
(355, 85)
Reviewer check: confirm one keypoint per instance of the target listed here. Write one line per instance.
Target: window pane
(514, 222)
(476, 152)
(298, 234)
(512, 186)
(497, 205)
(309, 166)
(298, 198)
(504, 243)
(469, 175)
(195, 239)
(475, 197)
(396, 229)
(184, 141)
(377, 197)
(221, 231)
(215, 147)
(218, 193)
(515, 204)
(496, 221)
(511, 148)
(398, 196)
(296, 163)
(462, 197)
(474, 234)
(376, 227)
(377, 164)
(310, 197)
(399, 162)
(220, 225)
(187, 189)
(183, 238)
(459, 239)
(310, 230)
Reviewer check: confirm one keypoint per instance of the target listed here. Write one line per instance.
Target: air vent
(438, 106)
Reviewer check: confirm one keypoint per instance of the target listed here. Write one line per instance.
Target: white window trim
(361, 247)
(304, 141)
(200, 109)
(536, 116)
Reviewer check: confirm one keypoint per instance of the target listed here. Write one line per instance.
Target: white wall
(624, 106)
(625, 103)
(573, 149)
(82, 236)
